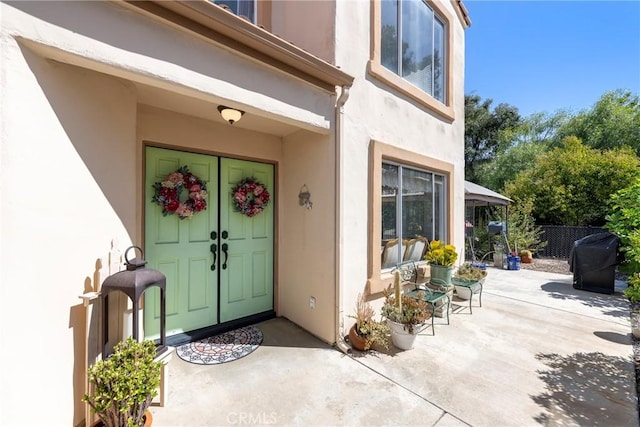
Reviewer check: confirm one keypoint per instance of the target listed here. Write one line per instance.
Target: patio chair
(390, 254)
(416, 249)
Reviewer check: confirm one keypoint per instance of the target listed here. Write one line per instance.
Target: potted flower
(124, 384)
(468, 280)
(366, 331)
(406, 316)
(441, 259)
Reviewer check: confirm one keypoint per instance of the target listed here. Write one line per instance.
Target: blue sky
(542, 56)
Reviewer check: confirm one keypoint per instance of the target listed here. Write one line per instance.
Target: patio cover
(477, 193)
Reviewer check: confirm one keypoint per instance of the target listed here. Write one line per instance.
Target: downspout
(342, 99)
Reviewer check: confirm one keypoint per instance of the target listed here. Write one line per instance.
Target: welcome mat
(221, 348)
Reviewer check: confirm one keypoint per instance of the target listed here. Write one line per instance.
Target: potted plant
(526, 256)
(441, 259)
(366, 331)
(124, 384)
(406, 316)
(468, 280)
(632, 293)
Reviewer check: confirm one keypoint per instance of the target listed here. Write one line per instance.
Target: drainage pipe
(342, 99)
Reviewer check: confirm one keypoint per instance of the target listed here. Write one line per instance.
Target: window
(412, 44)
(413, 208)
(411, 51)
(245, 8)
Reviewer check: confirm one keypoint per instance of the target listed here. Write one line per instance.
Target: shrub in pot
(467, 280)
(405, 315)
(124, 384)
(367, 331)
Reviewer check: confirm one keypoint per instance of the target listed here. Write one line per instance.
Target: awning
(477, 193)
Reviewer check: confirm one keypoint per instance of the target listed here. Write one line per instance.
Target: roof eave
(235, 33)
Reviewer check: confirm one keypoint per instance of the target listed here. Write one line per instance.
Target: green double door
(219, 263)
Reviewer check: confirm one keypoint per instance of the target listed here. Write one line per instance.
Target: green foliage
(571, 184)
(440, 254)
(624, 220)
(522, 231)
(486, 131)
(613, 122)
(125, 383)
(403, 309)
(633, 290)
(372, 331)
(507, 165)
(469, 272)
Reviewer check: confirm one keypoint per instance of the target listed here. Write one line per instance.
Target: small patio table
(432, 297)
(474, 286)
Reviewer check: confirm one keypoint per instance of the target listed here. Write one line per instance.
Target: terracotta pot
(356, 341)
(527, 259)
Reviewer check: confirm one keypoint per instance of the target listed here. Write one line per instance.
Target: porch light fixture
(230, 114)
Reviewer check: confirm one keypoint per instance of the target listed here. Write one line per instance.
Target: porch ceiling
(206, 110)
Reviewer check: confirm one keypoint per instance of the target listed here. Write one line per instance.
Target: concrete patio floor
(537, 352)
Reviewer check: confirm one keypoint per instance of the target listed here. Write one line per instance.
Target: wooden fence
(560, 239)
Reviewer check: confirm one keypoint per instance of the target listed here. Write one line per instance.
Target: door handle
(225, 234)
(214, 249)
(225, 247)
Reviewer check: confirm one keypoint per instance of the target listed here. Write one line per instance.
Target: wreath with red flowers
(250, 197)
(169, 194)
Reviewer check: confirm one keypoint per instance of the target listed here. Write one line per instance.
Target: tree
(572, 184)
(484, 131)
(522, 145)
(624, 221)
(613, 122)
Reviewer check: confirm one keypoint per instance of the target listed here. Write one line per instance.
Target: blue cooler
(513, 262)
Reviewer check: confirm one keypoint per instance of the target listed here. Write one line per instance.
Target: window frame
(376, 69)
(381, 153)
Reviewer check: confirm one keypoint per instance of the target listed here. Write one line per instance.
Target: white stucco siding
(376, 111)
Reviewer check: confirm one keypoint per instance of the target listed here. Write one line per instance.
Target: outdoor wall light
(230, 114)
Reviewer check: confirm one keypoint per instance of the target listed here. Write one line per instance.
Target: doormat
(222, 348)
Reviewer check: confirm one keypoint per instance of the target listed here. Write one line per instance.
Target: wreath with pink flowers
(250, 197)
(170, 194)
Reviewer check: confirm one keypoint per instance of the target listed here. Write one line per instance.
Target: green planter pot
(441, 273)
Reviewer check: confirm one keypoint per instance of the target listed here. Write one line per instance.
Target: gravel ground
(561, 266)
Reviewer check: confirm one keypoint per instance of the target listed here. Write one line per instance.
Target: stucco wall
(72, 149)
(307, 255)
(309, 24)
(376, 111)
(67, 149)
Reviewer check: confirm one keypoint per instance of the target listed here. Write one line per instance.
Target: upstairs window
(412, 45)
(246, 8)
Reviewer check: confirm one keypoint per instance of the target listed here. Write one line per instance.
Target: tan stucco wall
(72, 144)
(64, 132)
(307, 252)
(376, 112)
(309, 24)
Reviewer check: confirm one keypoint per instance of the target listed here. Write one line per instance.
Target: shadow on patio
(581, 381)
(611, 305)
